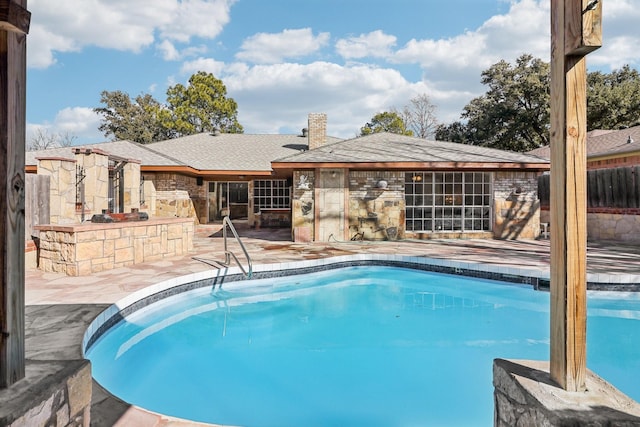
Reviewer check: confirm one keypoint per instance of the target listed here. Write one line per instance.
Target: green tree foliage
(387, 121)
(202, 106)
(613, 99)
(132, 120)
(514, 113)
(453, 132)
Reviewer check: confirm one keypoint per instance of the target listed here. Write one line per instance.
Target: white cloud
(374, 44)
(79, 123)
(620, 36)
(458, 61)
(276, 98)
(202, 64)
(269, 48)
(168, 51)
(119, 24)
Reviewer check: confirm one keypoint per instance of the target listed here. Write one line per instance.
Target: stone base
(525, 395)
(53, 393)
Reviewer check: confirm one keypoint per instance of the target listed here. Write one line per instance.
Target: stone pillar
(302, 212)
(148, 205)
(331, 206)
(62, 194)
(317, 130)
(131, 174)
(516, 205)
(95, 163)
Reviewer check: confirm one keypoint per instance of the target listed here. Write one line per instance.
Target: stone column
(131, 173)
(62, 194)
(302, 211)
(95, 163)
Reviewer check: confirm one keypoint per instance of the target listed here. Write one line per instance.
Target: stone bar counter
(83, 249)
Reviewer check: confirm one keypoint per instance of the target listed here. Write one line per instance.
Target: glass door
(229, 199)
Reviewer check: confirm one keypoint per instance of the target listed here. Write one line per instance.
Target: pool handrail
(226, 222)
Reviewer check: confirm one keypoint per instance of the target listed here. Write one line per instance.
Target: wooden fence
(606, 188)
(36, 202)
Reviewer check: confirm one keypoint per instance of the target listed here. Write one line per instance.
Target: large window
(448, 201)
(271, 194)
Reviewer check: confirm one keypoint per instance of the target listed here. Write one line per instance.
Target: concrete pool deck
(60, 307)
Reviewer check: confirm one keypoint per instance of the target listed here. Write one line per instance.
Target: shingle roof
(126, 149)
(205, 152)
(231, 151)
(389, 147)
(602, 143)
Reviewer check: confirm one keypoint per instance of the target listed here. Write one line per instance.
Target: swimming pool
(379, 346)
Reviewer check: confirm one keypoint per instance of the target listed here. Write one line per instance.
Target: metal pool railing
(226, 222)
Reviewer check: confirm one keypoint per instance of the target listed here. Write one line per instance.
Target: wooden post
(575, 31)
(14, 25)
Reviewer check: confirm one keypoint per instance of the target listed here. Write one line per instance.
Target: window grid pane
(271, 194)
(448, 201)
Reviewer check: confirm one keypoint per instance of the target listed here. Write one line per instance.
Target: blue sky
(282, 59)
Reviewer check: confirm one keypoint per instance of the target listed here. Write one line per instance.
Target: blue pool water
(374, 346)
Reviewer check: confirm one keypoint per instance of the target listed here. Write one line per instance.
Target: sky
(283, 59)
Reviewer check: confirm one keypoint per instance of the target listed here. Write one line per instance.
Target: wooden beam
(14, 17)
(12, 184)
(568, 205)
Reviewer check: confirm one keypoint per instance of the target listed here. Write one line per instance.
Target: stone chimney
(317, 130)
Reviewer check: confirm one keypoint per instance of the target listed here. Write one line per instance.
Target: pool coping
(537, 278)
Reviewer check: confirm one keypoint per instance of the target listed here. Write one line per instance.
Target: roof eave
(413, 165)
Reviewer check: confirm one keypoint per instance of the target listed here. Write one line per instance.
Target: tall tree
(514, 112)
(132, 120)
(420, 116)
(202, 106)
(613, 99)
(387, 121)
(453, 132)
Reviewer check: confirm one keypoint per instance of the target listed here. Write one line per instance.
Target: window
(271, 194)
(448, 201)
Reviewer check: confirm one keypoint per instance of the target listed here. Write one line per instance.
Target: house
(613, 178)
(606, 148)
(377, 187)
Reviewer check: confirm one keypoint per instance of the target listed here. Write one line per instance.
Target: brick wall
(317, 130)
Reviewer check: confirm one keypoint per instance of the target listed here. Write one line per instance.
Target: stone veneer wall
(607, 224)
(131, 197)
(178, 196)
(330, 202)
(62, 194)
(376, 213)
(303, 209)
(78, 250)
(613, 226)
(525, 395)
(516, 205)
(53, 393)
